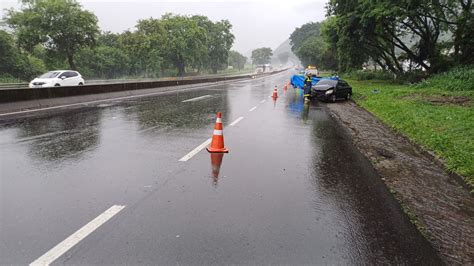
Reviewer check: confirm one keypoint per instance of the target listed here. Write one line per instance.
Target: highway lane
(292, 190)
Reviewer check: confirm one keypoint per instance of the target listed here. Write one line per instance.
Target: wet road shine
(292, 190)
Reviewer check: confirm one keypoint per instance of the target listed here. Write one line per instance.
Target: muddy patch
(443, 210)
(456, 100)
(440, 99)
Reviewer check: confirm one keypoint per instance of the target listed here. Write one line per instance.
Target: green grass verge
(444, 128)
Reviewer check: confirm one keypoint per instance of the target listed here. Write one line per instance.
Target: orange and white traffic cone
(275, 92)
(217, 144)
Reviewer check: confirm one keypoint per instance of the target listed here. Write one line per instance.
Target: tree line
(59, 34)
(398, 36)
(261, 56)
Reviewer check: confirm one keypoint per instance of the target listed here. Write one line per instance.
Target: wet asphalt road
(292, 190)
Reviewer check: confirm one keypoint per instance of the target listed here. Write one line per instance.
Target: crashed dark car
(331, 90)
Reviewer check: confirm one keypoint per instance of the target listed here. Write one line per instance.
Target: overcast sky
(255, 23)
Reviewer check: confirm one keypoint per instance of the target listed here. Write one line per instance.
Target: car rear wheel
(57, 85)
(333, 98)
(80, 84)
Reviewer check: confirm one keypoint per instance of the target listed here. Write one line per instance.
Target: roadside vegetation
(59, 34)
(410, 63)
(437, 113)
(418, 38)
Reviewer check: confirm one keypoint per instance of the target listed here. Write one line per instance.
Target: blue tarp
(298, 80)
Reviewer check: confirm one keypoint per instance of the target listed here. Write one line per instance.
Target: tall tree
(311, 51)
(220, 40)
(103, 62)
(135, 46)
(237, 60)
(60, 25)
(15, 63)
(154, 45)
(301, 34)
(109, 39)
(330, 37)
(261, 55)
(9, 55)
(283, 57)
(385, 30)
(186, 41)
(312, 48)
(458, 17)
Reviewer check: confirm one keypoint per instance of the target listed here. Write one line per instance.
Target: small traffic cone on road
(275, 93)
(217, 144)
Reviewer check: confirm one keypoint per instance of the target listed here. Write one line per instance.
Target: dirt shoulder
(436, 202)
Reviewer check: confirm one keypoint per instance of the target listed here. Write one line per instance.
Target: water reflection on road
(292, 190)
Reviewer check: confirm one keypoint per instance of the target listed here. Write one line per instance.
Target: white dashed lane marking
(236, 121)
(199, 148)
(195, 151)
(197, 98)
(79, 235)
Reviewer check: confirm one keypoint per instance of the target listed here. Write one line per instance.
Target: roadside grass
(440, 120)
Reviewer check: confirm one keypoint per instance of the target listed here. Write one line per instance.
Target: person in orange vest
(307, 87)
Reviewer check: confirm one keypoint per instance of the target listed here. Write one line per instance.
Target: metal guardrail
(13, 85)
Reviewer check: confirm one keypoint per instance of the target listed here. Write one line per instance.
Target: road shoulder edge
(435, 200)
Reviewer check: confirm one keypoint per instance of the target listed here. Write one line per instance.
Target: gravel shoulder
(436, 201)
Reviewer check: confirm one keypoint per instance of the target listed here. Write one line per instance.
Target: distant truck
(312, 70)
(266, 68)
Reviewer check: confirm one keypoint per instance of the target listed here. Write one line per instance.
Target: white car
(58, 78)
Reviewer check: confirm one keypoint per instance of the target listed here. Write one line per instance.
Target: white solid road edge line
(236, 121)
(253, 108)
(195, 151)
(75, 238)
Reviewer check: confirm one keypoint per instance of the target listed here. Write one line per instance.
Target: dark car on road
(331, 90)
